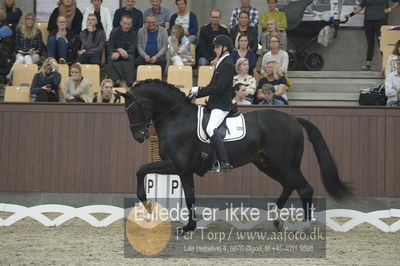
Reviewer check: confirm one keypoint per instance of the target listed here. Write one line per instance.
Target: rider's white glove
(193, 92)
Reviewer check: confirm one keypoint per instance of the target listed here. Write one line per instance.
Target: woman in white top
(242, 68)
(77, 88)
(103, 15)
(277, 55)
(391, 62)
(179, 46)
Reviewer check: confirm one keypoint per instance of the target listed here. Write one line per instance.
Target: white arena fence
(115, 213)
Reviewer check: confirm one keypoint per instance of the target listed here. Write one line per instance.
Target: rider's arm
(224, 81)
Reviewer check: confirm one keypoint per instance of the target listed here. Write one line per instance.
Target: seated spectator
(72, 15)
(163, 15)
(6, 47)
(392, 86)
(93, 40)
(205, 49)
(77, 88)
(13, 13)
(267, 95)
(179, 46)
(272, 31)
(239, 94)
(244, 52)
(275, 77)
(106, 94)
(152, 43)
(277, 55)
(121, 50)
(102, 14)
(274, 13)
(245, 6)
(391, 61)
(28, 41)
(62, 43)
(242, 68)
(130, 10)
(243, 28)
(187, 19)
(46, 82)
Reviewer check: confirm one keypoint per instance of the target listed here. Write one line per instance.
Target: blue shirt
(151, 47)
(163, 16)
(5, 31)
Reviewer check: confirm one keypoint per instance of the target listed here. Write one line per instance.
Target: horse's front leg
(166, 167)
(188, 188)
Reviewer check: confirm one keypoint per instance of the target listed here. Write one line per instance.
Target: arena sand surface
(77, 243)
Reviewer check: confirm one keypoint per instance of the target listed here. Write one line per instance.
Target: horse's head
(140, 114)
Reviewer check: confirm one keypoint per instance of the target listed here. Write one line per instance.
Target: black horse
(273, 143)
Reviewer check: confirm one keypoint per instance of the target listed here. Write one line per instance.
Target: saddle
(231, 129)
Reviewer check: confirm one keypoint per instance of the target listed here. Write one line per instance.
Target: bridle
(147, 121)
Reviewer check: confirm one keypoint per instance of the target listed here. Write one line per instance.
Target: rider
(220, 100)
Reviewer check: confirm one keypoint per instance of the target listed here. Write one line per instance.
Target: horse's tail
(329, 172)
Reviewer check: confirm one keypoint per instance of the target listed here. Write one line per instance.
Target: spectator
(205, 49)
(72, 15)
(392, 86)
(62, 43)
(121, 50)
(152, 43)
(277, 55)
(239, 94)
(273, 13)
(77, 88)
(272, 31)
(242, 77)
(28, 41)
(267, 95)
(179, 46)
(102, 14)
(13, 13)
(391, 61)
(93, 40)
(187, 19)
(106, 94)
(130, 10)
(163, 15)
(275, 77)
(46, 82)
(244, 28)
(244, 52)
(374, 19)
(6, 47)
(245, 6)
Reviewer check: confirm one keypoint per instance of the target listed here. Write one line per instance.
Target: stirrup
(216, 168)
(221, 167)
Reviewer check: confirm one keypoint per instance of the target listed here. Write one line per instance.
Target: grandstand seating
(204, 78)
(43, 28)
(23, 74)
(181, 76)
(389, 36)
(64, 71)
(17, 94)
(148, 72)
(92, 73)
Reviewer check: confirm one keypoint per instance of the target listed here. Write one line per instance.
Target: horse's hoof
(278, 225)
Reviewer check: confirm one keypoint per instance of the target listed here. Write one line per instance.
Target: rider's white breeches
(216, 118)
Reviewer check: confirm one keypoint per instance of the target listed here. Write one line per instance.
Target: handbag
(373, 96)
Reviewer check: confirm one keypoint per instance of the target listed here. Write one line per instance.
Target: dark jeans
(89, 59)
(45, 96)
(161, 61)
(58, 49)
(372, 29)
(121, 70)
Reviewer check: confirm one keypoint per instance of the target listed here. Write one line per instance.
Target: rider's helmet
(223, 40)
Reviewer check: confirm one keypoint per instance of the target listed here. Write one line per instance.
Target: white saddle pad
(236, 126)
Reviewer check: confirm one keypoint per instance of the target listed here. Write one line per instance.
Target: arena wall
(79, 148)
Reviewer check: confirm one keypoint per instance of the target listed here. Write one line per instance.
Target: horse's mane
(159, 82)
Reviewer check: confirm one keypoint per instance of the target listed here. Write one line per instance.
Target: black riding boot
(224, 165)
